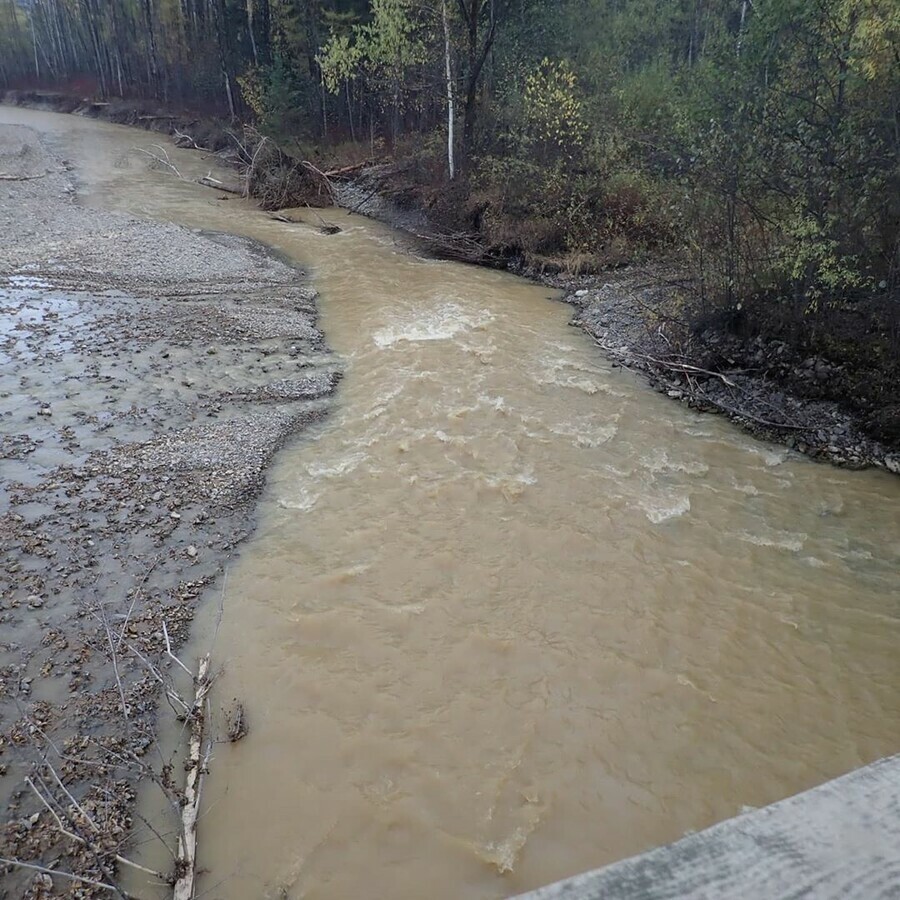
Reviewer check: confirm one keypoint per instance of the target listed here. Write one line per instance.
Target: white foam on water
(774, 457)
(585, 434)
(382, 404)
(658, 461)
(340, 466)
(439, 323)
(779, 540)
(858, 554)
(303, 499)
(663, 511)
(511, 486)
(457, 440)
(503, 854)
(562, 373)
(498, 403)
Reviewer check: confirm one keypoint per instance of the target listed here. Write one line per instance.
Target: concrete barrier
(839, 841)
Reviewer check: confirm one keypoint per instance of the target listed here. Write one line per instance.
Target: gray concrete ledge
(839, 841)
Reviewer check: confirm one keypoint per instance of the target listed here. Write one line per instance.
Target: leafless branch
(5, 177)
(162, 160)
(169, 652)
(53, 873)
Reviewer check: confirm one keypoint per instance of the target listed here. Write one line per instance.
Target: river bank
(838, 407)
(150, 373)
(639, 316)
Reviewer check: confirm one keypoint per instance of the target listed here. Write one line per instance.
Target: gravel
(148, 374)
(630, 315)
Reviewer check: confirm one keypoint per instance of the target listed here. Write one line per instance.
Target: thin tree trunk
(153, 60)
(250, 30)
(350, 111)
(740, 39)
(221, 38)
(37, 66)
(451, 166)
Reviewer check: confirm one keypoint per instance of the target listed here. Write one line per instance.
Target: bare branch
(6, 177)
(169, 652)
(162, 160)
(53, 872)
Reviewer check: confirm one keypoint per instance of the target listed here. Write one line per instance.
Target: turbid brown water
(509, 614)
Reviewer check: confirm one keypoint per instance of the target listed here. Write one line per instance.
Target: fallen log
(347, 170)
(209, 181)
(196, 764)
(324, 227)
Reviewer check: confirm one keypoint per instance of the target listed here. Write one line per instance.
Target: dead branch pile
(458, 246)
(95, 824)
(273, 178)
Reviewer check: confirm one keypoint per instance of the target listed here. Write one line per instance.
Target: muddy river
(508, 614)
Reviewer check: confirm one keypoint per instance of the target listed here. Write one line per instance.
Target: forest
(755, 143)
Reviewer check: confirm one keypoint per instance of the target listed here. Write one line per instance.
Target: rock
(35, 602)
(45, 411)
(174, 515)
(581, 293)
(192, 551)
(675, 395)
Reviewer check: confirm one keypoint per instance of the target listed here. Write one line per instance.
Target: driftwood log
(196, 765)
(209, 181)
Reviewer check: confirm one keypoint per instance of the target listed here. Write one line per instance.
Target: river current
(508, 614)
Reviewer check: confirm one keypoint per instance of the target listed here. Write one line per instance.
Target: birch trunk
(451, 166)
(186, 856)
